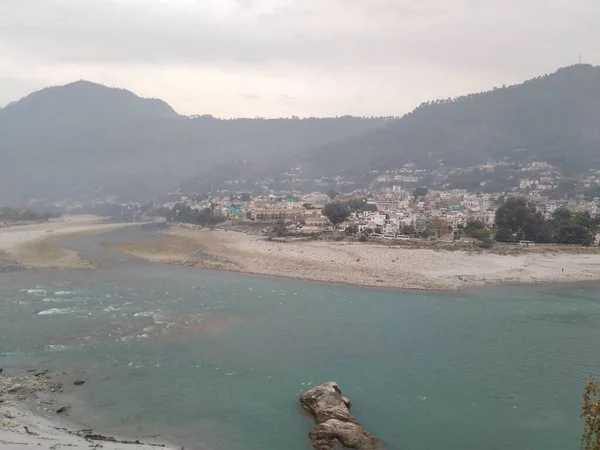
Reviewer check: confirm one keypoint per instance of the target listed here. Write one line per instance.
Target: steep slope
(85, 139)
(553, 118)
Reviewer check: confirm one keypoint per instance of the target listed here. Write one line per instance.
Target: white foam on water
(145, 333)
(112, 309)
(157, 315)
(63, 293)
(56, 347)
(55, 311)
(136, 365)
(57, 300)
(35, 291)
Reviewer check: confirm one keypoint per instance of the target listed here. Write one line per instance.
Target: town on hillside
(444, 203)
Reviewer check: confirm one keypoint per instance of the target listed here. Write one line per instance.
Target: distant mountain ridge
(553, 118)
(85, 139)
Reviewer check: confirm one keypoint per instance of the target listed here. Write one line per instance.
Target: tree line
(8, 214)
(517, 220)
(185, 214)
(338, 212)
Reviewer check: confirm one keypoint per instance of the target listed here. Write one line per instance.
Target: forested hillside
(552, 118)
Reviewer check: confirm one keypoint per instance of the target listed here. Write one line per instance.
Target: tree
(408, 230)
(280, 228)
(187, 215)
(360, 204)
(568, 228)
(504, 235)
(420, 192)
(590, 411)
(336, 212)
(562, 216)
(476, 229)
(332, 193)
(486, 243)
(351, 230)
(585, 220)
(520, 218)
(574, 234)
(437, 227)
(474, 225)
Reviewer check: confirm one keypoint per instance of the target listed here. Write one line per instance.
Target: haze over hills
(83, 139)
(552, 118)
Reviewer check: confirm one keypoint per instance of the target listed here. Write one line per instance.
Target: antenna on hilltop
(580, 59)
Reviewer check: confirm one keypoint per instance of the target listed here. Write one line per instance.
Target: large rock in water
(335, 425)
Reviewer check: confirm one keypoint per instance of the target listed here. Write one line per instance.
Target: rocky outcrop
(335, 424)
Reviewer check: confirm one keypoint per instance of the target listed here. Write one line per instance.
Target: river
(215, 360)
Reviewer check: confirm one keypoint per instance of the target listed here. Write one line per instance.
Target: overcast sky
(276, 58)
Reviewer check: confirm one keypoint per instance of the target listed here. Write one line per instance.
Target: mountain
(88, 103)
(85, 139)
(88, 140)
(553, 118)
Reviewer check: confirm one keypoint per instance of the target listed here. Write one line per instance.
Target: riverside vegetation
(516, 220)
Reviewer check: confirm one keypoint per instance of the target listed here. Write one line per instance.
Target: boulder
(335, 424)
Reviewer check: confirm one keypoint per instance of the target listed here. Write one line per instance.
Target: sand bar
(364, 264)
(32, 246)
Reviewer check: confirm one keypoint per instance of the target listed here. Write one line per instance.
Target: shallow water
(217, 360)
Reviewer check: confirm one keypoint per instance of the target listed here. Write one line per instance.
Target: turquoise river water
(217, 360)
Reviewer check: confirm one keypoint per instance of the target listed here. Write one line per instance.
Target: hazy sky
(291, 57)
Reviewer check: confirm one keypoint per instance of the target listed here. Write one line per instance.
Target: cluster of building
(398, 204)
(394, 198)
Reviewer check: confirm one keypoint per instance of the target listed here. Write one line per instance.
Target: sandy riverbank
(45, 429)
(32, 246)
(363, 264)
(20, 429)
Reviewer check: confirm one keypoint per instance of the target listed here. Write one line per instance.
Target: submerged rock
(335, 424)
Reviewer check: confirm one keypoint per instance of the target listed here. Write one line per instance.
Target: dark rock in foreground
(335, 424)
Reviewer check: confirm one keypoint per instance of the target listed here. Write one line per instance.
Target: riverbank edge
(34, 416)
(34, 246)
(205, 249)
